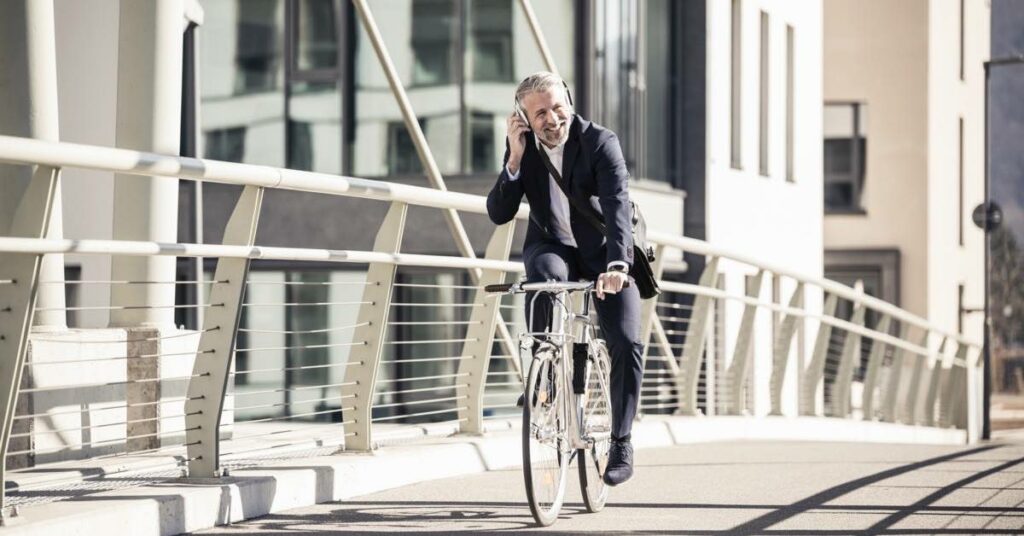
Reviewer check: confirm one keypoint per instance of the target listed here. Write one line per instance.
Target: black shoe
(521, 400)
(620, 462)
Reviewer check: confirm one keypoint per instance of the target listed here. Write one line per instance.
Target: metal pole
(986, 425)
(538, 36)
(986, 428)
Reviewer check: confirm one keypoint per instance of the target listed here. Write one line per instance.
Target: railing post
(740, 366)
(18, 297)
(810, 389)
(204, 404)
(700, 323)
(878, 347)
(974, 377)
(950, 389)
(848, 361)
(783, 341)
(892, 386)
(934, 381)
(476, 352)
(913, 397)
(361, 375)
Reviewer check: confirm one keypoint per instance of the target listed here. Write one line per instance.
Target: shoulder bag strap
(587, 211)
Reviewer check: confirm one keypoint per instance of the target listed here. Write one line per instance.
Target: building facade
(903, 153)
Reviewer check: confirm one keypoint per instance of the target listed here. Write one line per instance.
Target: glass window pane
(317, 39)
(241, 93)
(314, 127)
(418, 35)
(501, 52)
(257, 52)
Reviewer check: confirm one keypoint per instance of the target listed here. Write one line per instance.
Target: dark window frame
(858, 163)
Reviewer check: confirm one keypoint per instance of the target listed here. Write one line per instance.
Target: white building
(904, 133)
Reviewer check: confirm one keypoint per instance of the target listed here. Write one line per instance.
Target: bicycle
(566, 408)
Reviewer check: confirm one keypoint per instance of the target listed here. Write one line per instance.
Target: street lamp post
(988, 217)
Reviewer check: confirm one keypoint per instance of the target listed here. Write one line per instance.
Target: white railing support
(812, 387)
(892, 385)
(361, 377)
(18, 298)
(950, 389)
(739, 367)
(207, 391)
(476, 352)
(693, 353)
(784, 333)
(878, 349)
(913, 397)
(934, 382)
(975, 379)
(849, 360)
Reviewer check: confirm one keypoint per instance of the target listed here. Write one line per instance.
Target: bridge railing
(208, 399)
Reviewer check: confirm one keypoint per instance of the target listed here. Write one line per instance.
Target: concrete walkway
(737, 487)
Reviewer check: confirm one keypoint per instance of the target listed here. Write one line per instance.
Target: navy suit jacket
(595, 171)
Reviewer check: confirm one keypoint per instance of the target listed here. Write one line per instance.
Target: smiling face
(549, 115)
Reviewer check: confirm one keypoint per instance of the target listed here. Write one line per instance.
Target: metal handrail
(62, 154)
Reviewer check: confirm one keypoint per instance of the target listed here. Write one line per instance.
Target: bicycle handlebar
(545, 286)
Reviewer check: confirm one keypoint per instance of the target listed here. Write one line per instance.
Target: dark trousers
(619, 318)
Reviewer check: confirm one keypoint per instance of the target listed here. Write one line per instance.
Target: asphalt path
(715, 488)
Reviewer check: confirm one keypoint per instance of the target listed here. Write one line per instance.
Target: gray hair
(540, 81)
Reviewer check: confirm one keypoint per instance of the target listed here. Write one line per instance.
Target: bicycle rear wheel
(545, 458)
(597, 425)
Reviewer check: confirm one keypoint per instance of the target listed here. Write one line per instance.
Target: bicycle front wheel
(545, 457)
(597, 425)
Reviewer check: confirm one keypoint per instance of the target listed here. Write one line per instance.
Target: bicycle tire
(545, 465)
(596, 421)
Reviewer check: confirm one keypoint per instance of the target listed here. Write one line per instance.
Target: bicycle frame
(568, 328)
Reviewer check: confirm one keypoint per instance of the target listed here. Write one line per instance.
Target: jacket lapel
(538, 173)
(572, 149)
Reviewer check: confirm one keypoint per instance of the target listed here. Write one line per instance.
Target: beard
(557, 136)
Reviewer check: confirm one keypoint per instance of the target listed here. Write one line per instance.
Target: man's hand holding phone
(517, 129)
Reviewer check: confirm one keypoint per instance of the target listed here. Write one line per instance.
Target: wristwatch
(618, 266)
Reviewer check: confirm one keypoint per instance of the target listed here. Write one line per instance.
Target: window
(490, 44)
(735, 85)
(845, 147)
(790, 88)
(257, 52)
(764, 105)
(226, 144)
(433, 42)
(482, 136)
(402, 156)
(316, 40)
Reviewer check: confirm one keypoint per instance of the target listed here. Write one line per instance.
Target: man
(562, 245)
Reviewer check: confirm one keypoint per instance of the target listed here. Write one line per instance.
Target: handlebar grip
(500, 287)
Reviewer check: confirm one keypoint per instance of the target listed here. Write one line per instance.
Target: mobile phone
(522, 115)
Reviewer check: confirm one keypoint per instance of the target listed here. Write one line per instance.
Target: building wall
(950, 99)
(902, 60)
(862, 64)
(766, 217)
(86, 32)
